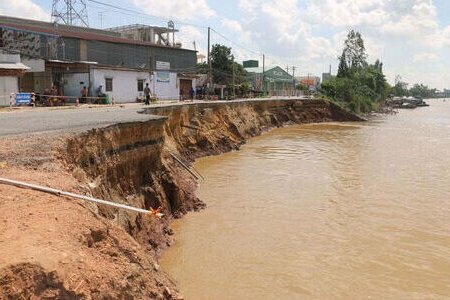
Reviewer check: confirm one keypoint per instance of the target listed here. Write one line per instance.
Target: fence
(287, 93)
(51, 100)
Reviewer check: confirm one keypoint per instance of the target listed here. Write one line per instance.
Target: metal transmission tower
(70, 12)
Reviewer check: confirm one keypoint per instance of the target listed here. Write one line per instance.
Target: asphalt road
(70, 119)
(40, 120)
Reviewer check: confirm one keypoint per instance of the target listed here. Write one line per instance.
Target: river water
(325, 211)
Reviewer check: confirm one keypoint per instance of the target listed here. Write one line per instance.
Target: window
(108, 84)
(140, 83)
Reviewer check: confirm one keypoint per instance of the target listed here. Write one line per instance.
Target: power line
(236, 44)
(120, 9)
(132, 12)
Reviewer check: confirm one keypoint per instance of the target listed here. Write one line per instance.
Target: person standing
(147, 94)
(191, 93)
(181, 94)
(54, 99)
(100, 94)
(84, 94)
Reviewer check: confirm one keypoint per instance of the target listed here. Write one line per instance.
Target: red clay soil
(54, 248)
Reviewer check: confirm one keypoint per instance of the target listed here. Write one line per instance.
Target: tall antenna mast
(70, 12)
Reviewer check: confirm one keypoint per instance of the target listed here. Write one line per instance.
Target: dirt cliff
(89, 252)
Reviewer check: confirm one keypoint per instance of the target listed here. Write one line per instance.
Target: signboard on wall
(163, 76)
(162, 65)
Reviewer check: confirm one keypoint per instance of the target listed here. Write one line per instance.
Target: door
(185, 85)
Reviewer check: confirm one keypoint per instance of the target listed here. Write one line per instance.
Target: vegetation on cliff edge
(358, 86)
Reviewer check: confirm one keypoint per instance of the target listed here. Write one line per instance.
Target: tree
(358, 85)
(354, 53)
(421, 90)
(400, 88)
(222, 62)
(343, 67)
(202, 68)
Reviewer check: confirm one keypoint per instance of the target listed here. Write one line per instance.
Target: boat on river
(406, 102)
(407, 105)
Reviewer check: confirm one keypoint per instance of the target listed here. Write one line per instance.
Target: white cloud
(24, 9)
(238, 31)
(181, 9)
(279, 28)
(346, 12)
(188, 35)
(311, 33)
(425, 57)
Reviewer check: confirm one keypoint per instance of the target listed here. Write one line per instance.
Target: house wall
(42, 81)
(8, 85)
(166, 90)
(73, 85)
(139, 56)
(125, 87)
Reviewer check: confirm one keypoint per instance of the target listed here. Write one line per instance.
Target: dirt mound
(28, 281)
(58, 248)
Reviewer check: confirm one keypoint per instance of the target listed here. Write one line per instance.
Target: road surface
(38, 120)
(68, 119)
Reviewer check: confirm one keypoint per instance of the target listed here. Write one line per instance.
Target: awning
(13, 66)
(72, 62)
(188, 75)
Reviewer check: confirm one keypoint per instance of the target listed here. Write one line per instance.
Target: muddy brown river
(326, 211)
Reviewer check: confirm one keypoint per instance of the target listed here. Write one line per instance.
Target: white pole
(11, 100)
(72, 195)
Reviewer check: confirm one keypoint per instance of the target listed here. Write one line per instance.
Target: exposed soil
(56, 248)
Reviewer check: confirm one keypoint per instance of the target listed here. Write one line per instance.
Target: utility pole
(100, 14)
(287, 69)
(293, 77)
(234, 78)
(263, 75)
(210, 81)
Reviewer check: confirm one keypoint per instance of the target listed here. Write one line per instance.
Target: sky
(411, 37)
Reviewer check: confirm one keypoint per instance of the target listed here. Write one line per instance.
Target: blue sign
(163, 76)
(23, 98)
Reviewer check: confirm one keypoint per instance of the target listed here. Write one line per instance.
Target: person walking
(147, 94)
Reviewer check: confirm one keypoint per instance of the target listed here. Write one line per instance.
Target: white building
(122, 60)
(11, 69)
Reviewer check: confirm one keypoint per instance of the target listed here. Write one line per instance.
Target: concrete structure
(151, 34)
(71, 57)
(326, 76)
(11, 69)
(310, 81)
(274, 79)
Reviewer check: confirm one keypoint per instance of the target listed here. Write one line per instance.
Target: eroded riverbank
(130, 163)
(323, 211)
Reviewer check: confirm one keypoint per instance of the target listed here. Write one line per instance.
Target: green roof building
(273, 79)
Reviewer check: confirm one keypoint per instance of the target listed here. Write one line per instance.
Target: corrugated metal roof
(83, 35)
(259, 69)
(13, 66)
